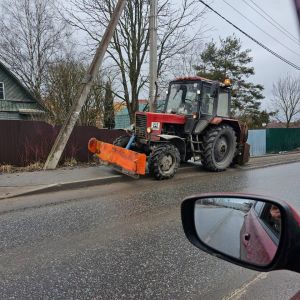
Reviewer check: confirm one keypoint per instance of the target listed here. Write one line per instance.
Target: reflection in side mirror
(244, 229)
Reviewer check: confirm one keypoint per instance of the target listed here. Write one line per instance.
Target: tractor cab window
(182, 98)
(207, 101)
(223, 104)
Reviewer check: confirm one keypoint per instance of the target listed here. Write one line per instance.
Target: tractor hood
(155, 121)
(162, 118)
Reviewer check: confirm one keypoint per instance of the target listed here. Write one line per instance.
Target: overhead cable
(272, 37)
(253, 39)
(279, 25)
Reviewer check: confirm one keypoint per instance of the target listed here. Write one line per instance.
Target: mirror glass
(245, 229)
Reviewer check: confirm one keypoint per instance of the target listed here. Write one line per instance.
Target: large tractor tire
(164, 161)
(219, 148)
(121, 141)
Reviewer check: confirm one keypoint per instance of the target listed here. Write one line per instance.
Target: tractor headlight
(149, 130)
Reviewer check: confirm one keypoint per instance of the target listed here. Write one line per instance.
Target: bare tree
(128, 52)
(286, 98)
(31, 35)
(181, 32)
(184, 63)
(62, 86)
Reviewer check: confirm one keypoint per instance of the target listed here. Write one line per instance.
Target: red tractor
(195, 123)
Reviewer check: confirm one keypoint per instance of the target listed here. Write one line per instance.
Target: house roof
(22, 86)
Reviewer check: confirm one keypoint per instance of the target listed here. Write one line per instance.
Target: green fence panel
(282, 139)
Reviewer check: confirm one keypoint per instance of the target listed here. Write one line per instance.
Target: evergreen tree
(229, 60)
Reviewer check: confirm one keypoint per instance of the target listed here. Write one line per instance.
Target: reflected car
(260, 234)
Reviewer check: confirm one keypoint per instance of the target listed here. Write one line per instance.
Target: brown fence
(25, 142)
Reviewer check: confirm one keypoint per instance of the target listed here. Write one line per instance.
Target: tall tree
(229, 60)
(109, 111)
(128, 52)
(62, 86)
(31, 36)
(286, 98)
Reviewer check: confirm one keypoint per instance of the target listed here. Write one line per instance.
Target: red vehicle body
(259, 242)
(150, 119)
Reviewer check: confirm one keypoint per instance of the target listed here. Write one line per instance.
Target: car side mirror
(250, 231)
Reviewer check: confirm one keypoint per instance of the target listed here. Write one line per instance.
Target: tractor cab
(197, 96)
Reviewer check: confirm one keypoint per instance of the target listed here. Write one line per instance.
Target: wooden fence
(25, 142)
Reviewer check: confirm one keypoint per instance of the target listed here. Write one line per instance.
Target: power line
(295, 38)
(272, 37)
(253, 39)
(274, 23)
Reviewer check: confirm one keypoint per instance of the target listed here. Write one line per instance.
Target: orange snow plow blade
(130, 162)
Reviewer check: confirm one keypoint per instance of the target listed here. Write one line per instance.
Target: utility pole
(67, 128)
(153, 53)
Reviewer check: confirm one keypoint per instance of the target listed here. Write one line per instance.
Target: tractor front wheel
(219, 147)
(164, 161)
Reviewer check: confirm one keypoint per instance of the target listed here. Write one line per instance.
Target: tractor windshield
(182, 98)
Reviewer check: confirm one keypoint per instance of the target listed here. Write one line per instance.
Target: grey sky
(267, 67)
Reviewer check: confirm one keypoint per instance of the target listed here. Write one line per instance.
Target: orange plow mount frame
(130, 162)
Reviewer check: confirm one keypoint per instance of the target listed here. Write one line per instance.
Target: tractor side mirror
(246, 230)
(214, 89)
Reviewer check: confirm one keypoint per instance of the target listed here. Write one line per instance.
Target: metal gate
(257, 141)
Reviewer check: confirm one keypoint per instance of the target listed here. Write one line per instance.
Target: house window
(2, 95)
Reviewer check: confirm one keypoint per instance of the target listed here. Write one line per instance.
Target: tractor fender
(176, 141)
(240, 129)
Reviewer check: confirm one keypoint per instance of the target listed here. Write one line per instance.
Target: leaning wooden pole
(67, 128)
(153, 54)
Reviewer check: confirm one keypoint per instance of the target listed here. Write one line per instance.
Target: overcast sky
(267, 67)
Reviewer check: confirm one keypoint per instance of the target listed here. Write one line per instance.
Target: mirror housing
(287, 255)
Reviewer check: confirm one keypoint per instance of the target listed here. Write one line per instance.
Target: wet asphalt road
(125, 241)
(220, 228)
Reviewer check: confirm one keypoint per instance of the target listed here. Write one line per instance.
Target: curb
(283, 153)
(57, 187)
(271, 164)
(66, 186)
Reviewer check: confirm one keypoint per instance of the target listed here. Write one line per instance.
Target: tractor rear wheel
(121, 141)
(164, 161)
(219, 147)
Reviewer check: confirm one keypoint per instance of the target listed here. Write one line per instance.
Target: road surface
(125, 241)
(220, 228)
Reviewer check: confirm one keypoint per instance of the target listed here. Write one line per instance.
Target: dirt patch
(38, 166)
